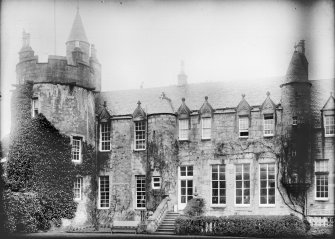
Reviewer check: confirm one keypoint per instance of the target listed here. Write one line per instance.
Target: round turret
(295, 90)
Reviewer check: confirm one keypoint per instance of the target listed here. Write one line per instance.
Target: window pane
(105, 136)
(140, 132)
(77, 189)
(267, 183)
(140, 191)
(219, 183)
(206, 128)
(183, 129)
(242, 183)
(76, 148)
(190, 171)
(104, 191)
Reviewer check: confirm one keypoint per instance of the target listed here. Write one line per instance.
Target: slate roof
(225, 94)
(220, 95)
(320, 93)
(77, 32)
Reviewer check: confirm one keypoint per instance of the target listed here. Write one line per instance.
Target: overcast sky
(144, 41)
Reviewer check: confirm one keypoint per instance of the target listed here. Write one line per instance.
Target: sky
(143, 42)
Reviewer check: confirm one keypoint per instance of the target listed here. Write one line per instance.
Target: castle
(218, 141)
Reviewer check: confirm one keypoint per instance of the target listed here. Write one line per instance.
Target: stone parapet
(58, 71)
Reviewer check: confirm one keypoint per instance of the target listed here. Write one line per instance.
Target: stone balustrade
(158, 216)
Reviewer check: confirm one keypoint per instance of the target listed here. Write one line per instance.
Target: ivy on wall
(40, 173)
(162, 157)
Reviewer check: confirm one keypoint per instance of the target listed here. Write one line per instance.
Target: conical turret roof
(78, 32)
(298, 68)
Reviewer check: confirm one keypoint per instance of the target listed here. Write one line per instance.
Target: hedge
(238, 225)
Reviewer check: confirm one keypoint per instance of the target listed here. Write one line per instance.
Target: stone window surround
(242, 130)
(138, 131)
(326, 115)
(183, 129)
(206, 130)
(321, 171)
(153, 182)
(140, 179)
(189, 176)
(211, 191)
(81, 139)
(101, 141)
(78, 186)
(266, 124)
(105, 191)
(242, 204)
(35, 108)
(259, 183)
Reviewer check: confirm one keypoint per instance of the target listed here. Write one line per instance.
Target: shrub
(236, 225)
(195, 207)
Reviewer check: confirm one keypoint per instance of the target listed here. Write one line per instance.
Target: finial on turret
(243, 95)
(139, 103)
(206, 98)
(183, 99)
(93, 51)
(182, 77)
(182, 67)
(25, 39)
(105, 103)
(268, 94)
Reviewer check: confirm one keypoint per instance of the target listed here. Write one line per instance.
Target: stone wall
(70, 109)
(227, 148)
(322, 148)
(165, 154)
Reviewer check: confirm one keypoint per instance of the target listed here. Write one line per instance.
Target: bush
(236, 225)
(195, 207)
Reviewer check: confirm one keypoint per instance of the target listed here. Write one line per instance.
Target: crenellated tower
(64, 88)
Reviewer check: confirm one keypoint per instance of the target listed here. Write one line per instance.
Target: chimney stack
(182, 77)
(301, 47)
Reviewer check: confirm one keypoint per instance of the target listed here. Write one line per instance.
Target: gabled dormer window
(140, 135)
(268, 125)
(268, 110)
(183, 120)
(139, 118)
(105, 137)
(243, 111)
(35, 107)
(206, 112)
(329, 125)
(183, 129)
(206, 128)
(243, 126)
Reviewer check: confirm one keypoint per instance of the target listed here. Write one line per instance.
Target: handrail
(158, 216)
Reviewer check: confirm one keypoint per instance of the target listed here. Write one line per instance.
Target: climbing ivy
(40, 170)
(291, 150)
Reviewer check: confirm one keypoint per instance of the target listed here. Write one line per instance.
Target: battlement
(58, 71)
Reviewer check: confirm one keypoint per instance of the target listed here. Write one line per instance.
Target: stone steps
(168, 224)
